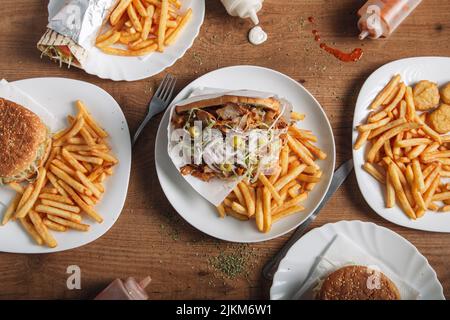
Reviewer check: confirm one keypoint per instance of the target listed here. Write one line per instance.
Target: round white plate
(199, 212)
(119, 68)
(436, 69)
(395, 251)
(58, 96)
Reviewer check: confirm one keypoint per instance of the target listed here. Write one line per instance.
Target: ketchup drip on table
(354, 56)
(316, 35)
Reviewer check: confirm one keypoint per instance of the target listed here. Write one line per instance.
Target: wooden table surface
(150, 238)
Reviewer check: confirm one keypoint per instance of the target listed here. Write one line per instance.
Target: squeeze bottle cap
(364, 34)
(253, 16)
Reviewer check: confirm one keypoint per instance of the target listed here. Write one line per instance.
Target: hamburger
(24, 143)
(228, 115)
(357, 283)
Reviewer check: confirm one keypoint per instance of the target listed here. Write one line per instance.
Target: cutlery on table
(159, 102)
(339, 177)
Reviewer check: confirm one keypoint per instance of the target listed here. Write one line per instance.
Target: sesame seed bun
(353, 283)
(24, 142)
(269, 103)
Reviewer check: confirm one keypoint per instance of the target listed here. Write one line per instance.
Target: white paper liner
(342, 252)
(215, 190)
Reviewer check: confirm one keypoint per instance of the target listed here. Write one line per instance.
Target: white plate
(200, 213)
(436, 69)
(395, 251)
(119, 68)
(58, 96)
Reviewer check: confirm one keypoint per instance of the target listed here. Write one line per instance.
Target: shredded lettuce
(32, 170)
(54, 53)
(252, 164)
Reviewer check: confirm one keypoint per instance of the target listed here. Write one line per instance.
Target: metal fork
(159, 102)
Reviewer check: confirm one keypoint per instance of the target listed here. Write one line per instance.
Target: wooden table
(150, 238)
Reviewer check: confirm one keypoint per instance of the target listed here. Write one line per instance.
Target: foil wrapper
(73, 24)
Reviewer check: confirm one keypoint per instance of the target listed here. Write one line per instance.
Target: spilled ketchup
(316, 35)
(353, 56)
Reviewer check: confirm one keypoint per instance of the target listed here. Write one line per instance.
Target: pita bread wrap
(216, 183)
(72, 28)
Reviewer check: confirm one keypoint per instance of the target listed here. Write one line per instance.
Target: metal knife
(339, 177)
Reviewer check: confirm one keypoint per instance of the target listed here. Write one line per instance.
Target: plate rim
(183, 94)
(359, 177)
(45, 250)
(366, 223)
(181, 53)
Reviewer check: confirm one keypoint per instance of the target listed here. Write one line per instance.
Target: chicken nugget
(426, 95)
(439, 119)
(445, 93)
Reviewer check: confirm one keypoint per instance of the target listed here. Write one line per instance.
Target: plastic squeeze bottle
(379, 18)
(129, 289)
(244, 8)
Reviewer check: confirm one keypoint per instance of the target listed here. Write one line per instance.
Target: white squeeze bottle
(379, 18)
(244, 8)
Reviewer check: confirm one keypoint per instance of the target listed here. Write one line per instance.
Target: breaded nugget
(439, 119)
(445, 93)
(426, 95)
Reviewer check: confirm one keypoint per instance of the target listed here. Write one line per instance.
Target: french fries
(221, 211)
(140, 27)
(28, 226)
(271, 189)
(55, 197)
(16, 187)
(69, 180)
(272, 197)
(69, 224)
(73, 161)
(53, 225)
(76, 127)
(267, 211)
(29, 203)
(147, 22)
(69, 184)
(163, 16)
(11, 209)
(381, 97)
(259, 214)
(249, 202)
(176, 32)
(59, 205)
(404, 153)
(119, 11)
(42, 229)
(109, 41)
(58, 212)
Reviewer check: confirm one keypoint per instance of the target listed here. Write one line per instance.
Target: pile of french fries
(279, 195)
(69, 184)
(142, 26)
(405, 154)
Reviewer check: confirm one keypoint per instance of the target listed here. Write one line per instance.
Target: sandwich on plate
(230, 136)
(357, 283)
(25, 143)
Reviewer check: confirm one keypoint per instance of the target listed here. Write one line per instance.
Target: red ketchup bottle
(129, 289)
(379, 18)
